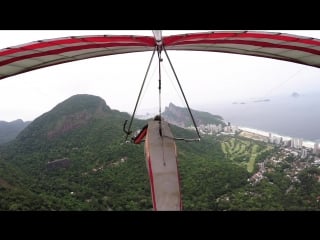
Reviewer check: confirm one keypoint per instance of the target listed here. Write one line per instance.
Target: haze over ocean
(294, 116)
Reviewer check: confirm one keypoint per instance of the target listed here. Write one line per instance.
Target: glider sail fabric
(39, 54)
(281, 46)
(161, 160)
(44, 53)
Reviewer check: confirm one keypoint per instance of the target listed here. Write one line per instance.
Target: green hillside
(74, 158)
(181, 117)
(9, 130)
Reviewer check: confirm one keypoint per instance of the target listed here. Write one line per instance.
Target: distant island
(262, 100)
(255, 101)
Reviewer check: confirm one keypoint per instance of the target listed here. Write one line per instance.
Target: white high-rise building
(276, 140)
(304, 153)
(296, 143)
(316, 149)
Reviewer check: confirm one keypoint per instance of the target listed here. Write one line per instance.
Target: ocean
(294, 116)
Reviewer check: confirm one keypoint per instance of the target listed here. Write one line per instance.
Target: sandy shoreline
(305, 143)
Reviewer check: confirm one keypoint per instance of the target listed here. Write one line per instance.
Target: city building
(316, 149)
(304, 153)
(296, 143)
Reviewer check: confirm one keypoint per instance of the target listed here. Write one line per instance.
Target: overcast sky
(206, 77)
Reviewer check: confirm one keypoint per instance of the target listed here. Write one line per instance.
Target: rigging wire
(268, 93)
(174, 72)
(160, 60)
(284, 82)
(159, 118)
(171, 81)
(128, 132)
(145, 89)
(182, 101)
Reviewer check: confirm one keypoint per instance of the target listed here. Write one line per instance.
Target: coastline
(306, 143)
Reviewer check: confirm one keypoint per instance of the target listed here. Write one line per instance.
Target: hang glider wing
(40, 54)
(161, 154)
(44, 53)
(281, 46)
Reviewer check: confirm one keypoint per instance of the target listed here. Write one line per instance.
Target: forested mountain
(88, 135)
(9, 130)
(181, 117)
(74, 157)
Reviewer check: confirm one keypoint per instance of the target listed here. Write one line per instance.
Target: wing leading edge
(35, 55)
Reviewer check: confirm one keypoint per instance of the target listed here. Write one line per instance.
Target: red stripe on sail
(152, 185)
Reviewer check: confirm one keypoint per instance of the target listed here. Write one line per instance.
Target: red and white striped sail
(161, 154)
(44, 53)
